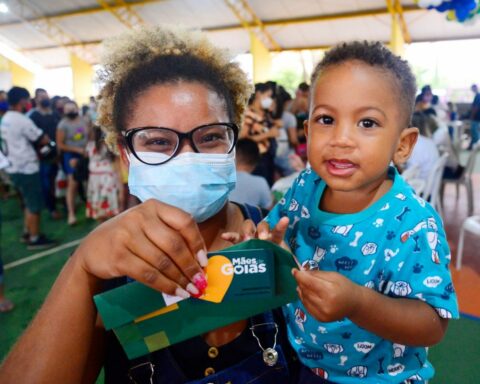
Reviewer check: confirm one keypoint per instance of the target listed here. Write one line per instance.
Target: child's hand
(328, 296)
(246, 233)
(276, 235)
(262, 232)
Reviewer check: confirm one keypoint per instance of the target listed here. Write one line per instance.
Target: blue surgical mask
(197, 183)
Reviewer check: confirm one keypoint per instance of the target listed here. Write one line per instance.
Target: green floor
(28, 284)
(456, 359)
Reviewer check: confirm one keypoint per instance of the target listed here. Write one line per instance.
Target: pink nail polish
(200, 281)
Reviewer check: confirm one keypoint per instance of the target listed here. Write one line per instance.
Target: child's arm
(330, 296)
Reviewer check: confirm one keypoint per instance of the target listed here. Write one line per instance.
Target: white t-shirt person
(18, 134)
(251, 189)
(424, 155)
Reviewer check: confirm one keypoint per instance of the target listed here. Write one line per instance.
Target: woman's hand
(153, 243)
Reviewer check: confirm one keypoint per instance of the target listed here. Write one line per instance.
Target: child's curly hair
(138, 60)
(379, 56)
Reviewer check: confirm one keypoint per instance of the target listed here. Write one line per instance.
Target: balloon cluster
(457, 10)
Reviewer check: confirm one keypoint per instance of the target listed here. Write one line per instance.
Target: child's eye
(368, 123)
(325, 120)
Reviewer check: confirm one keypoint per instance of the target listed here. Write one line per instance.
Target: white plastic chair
(431, 192)
(411, 173)
(466, 179)
(471, 224)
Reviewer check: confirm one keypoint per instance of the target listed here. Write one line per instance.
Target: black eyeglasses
(157, 145)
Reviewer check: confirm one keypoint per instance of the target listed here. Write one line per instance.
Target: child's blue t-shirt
(397, 247)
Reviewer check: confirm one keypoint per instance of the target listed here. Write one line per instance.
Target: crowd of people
(51, 152)
(175, 111)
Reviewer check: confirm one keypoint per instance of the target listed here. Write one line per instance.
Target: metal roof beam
(50, 29)
(252, 23)
(85, 11)
(123, 12)
(403, 24)
(266, 23)
(321, 18)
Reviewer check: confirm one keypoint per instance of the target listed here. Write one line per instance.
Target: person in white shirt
(20, 137)
(453, 168)
(425, 152)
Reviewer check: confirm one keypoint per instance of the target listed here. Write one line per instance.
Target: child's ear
(406, 142)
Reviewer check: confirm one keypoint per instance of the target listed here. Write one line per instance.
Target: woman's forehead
(177, 105)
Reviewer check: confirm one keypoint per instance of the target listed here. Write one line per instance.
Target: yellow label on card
(218, 278)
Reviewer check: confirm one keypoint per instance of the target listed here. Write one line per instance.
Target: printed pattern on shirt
(396, 247)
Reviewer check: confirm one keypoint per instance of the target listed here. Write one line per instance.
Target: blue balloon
(462, 8)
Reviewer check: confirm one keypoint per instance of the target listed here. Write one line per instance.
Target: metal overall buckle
(270, 355)
(143, 370)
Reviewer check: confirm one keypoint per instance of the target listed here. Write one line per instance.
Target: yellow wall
(22, 78)
(4, 64)
(19, 76)
(262, 61)
(82, 73)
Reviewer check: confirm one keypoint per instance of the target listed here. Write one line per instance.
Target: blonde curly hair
(138, 60)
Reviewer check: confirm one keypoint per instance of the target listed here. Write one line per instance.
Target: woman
(72, 136)
(260, 126)
(287, 139)
(174, 103)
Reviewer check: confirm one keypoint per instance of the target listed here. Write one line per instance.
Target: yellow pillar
(262, 62)
(82, 73)
(397, 42)
(19, 76)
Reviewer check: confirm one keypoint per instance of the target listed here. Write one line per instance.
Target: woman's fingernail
(202, 258)
(193, 290)
(180, 292)
(247, 237)
(263, 235)
(200, 281)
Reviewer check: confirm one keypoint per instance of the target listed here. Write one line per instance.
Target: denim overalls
(164, 369)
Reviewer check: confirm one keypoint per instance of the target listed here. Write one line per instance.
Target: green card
(143, 322)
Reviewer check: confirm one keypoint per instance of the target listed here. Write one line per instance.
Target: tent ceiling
(33, 25)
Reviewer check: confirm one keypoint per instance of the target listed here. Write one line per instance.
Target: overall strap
(252, 212)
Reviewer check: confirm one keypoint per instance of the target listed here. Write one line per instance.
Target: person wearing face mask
(72, 137)
(47, 120)
(172, 102)
(260, 126)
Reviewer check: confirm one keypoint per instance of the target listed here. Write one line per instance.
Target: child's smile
(341, 167)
